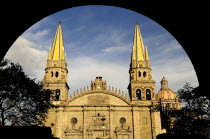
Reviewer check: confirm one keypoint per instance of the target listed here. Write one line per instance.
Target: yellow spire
(146, 54)
(138, 53)
(57, 52)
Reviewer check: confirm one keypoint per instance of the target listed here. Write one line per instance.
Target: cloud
(108, 36)
(116, 49)
(84, 69)
(40, 35)
(31, 59)
(177, 71)
(99, 50)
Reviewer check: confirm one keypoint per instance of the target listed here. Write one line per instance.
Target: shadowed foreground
(166, 136)
(25, 132)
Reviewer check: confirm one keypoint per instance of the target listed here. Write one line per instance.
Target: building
(101, 111)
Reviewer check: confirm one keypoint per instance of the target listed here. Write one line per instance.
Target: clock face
(98, 87)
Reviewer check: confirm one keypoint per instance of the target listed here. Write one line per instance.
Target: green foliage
(193, 118)
(22, 100)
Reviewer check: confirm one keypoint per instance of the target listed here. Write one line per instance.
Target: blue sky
(98, 40)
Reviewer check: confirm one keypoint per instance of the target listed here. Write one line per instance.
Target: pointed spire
(146, 55)
(57, 52)
(49, 54)
(138, 52)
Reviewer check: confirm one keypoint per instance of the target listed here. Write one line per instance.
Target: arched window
(56, 74)
(51, 73)
(148, 94)
(57, 94)
(139, 73)
(138, 94)
(144, 74)
(74, 120)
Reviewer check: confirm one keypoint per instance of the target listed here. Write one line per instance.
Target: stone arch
(111, 93)
(56, 74)
(148, 94)
(138, 94)
(139, 73)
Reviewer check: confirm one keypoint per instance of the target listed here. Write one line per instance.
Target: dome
(166, 94)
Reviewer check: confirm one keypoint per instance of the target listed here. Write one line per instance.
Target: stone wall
(121, 120)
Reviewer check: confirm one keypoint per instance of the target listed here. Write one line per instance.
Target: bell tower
(141, 86)
(56, 71)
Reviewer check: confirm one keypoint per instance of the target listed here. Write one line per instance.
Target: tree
(194, 117)
(23, 101)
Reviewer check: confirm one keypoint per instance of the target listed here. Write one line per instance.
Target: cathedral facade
(99, 111)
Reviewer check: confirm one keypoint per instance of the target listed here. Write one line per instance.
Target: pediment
(96, 98)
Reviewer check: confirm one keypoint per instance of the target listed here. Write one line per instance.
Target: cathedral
(98, 111)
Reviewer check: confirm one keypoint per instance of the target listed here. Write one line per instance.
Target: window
(57, 94)
(148, 94)
(74, 120)
(56, 74)
(122, 120)
(51, 73)
(138, 94)
(139, 74)
(144, 74)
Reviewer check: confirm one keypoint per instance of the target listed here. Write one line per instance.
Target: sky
(98, 41)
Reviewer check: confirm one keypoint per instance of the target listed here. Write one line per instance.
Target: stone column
(133, 122)
(84, 135)
(136, 123)
(59, 123)
(156, 126)
(111, 123)
(56, 123)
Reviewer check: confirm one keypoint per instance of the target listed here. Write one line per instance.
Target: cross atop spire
(60, 22)
(137, 22)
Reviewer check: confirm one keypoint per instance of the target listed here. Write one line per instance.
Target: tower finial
(163, 74)
(137, 23)
(60, 22)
